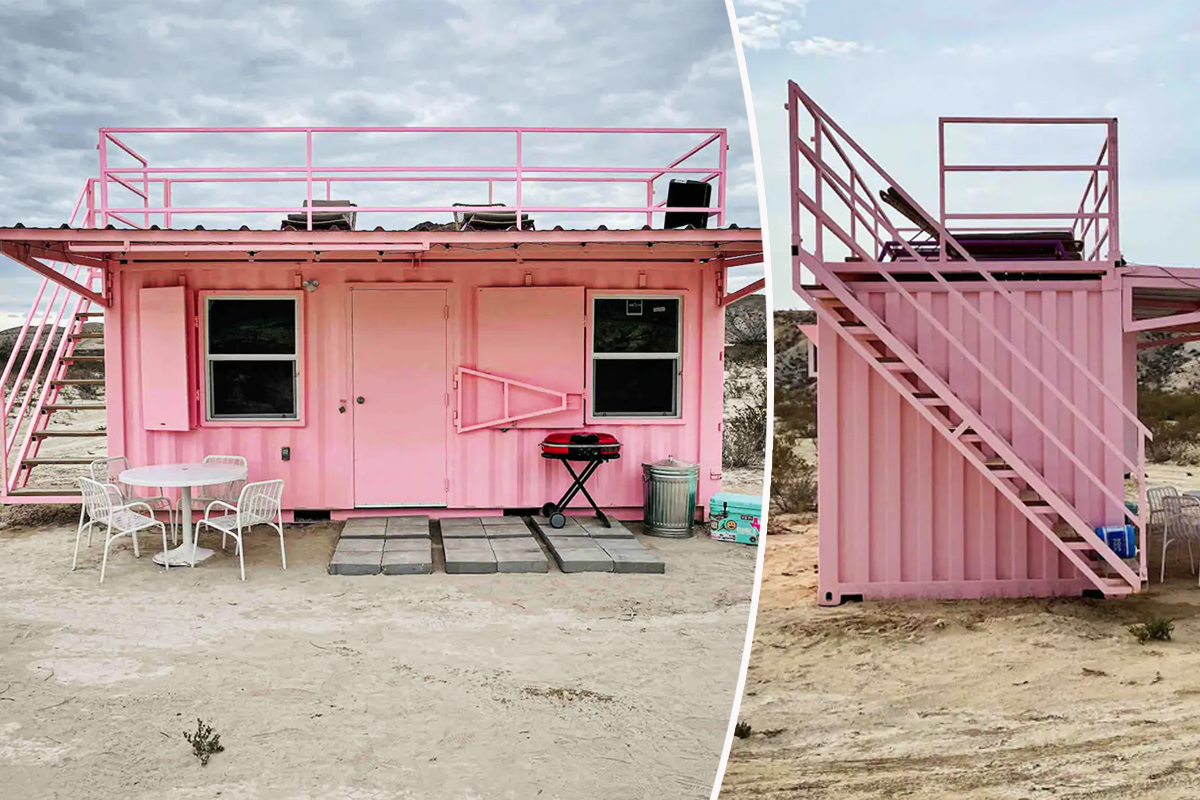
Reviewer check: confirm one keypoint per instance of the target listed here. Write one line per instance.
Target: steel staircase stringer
(971, 419)
(50, 391)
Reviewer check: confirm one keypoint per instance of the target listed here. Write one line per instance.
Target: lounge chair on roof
(475, 220)
(323, 220)
(1016, 246)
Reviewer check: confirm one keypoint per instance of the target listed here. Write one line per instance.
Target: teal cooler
(734, 517)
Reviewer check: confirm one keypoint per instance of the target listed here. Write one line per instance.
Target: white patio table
(183, 477)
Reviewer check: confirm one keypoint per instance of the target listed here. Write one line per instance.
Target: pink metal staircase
(844, 212)
(37, 372)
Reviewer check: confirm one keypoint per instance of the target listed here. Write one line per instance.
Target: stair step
(970, 437)
(67, 434)
(929, 399)
(1064, 531)
(88, 314)
(73, 407)
(859, 330)
(79, 336)
(1116, 586)
(36, 462)
(996, 463)
(77, 382)
(1029, 496)
(893, 363)
(90, 358)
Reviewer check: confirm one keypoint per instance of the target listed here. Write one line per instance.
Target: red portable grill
(592, 449)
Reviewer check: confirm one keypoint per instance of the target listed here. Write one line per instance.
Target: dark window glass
(252, 327)
(253, 388)
(636, 325)
(635, 386)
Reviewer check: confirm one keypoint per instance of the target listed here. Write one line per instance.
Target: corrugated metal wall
(902, 513)
(488, 468)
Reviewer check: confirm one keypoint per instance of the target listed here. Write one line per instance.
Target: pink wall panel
(163, 358)
(487, 468)
(902, 513)
(534, 334)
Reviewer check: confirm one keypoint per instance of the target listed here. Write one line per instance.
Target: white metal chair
(259, 503)
(1181, 522)
(1154, 498)
(108, 470)
(103, 504)
(225, 492)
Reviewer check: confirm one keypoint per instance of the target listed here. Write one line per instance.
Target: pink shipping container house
(977, 384)
(406, 353)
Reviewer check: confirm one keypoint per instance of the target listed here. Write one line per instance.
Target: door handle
(359, 400)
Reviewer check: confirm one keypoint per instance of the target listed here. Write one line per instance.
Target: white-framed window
(636, 355)
(251, 357)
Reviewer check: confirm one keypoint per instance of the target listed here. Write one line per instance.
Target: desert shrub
(796, 411)
(1174, 420)
(742, 729)
(1156, 366)
(1157, 629)
(746, 332)
(744, 442)
(205, 742)
(793, 479)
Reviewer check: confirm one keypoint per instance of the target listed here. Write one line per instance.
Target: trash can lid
(672, 466)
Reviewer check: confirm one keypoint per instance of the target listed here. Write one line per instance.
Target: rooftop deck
(399, 177)
(850, 209)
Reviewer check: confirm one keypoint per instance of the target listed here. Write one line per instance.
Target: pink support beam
(749, 289)
(21, 253)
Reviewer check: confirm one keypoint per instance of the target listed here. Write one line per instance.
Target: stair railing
(867, 215)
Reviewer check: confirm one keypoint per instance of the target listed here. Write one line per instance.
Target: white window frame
(209, 358)
(594, 357)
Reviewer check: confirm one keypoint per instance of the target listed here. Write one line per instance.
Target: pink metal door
(400, 397)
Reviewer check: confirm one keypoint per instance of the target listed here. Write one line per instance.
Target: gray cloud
(71, 67)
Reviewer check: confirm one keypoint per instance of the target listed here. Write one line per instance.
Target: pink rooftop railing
(151, 186)
(1094, 221)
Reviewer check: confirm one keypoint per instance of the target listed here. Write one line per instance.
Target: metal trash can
(670, 497)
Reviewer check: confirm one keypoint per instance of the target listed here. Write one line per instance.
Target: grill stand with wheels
(591, 449)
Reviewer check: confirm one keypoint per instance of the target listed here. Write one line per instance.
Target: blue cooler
(734, 517)
(1121, 538)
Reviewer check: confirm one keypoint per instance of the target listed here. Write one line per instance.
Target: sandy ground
(979, 699)
(439, 686)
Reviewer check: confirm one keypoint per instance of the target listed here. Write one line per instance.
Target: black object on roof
(687, 194)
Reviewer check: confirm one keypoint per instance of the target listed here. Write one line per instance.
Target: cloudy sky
(69, 67)
(886, 70)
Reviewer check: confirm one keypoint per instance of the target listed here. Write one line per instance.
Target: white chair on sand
(103, 504)
(225, 492)
(108, 470)
(1181, 522)
(259, 503)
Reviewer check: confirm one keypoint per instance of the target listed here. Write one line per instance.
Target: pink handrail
(311, 172)
(9, 478)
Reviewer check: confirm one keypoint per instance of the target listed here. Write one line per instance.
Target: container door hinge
(447, 396)
(447, 485)
(445, 312)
